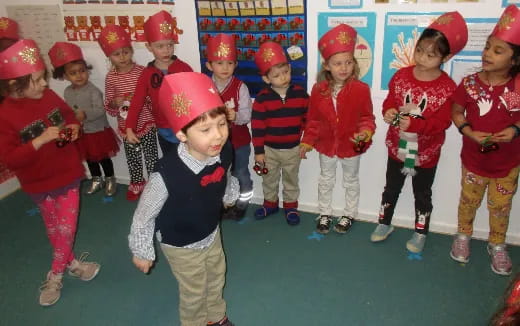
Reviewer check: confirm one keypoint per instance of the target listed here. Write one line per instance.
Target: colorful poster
(251, 23)
(402, 30)
(506, 3)
(365, 24)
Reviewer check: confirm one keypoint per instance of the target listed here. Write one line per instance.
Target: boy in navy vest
(186, 217)
(222, 61)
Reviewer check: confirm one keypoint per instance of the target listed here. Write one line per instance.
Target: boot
(95, 185)
(110, 186)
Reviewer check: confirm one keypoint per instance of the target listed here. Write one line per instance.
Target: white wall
(446, 188)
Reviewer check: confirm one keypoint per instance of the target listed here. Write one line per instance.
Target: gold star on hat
(267, 55)
(344, 38)
(112, 37)
(444, 20)
(29, 55)
(165, 27)
(181, 104)
(505, 21)
(222, 50)
(4, 24)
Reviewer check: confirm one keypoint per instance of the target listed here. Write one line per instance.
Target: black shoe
(344, 224)
(234, 213)
(324, 222)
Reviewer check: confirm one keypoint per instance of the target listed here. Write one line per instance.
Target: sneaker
(265, 211)
(381, 232)
(460, 248)
(82, 269)
(324, 222)
(233, 213)
(50, 290)
(344, 224)
(500, 262)
(416, 243)
(292, 216)
(223, 322)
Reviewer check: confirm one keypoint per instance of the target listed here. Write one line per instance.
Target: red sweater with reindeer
(433, 99)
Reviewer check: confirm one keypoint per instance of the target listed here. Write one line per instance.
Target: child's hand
(48, 135)
(389, 115)
(359, 136)
(304, 148)
(80, 115)
(479, 136)
(503, 136)
(143, 265)
(75, 131)
(131, 137)
(404, 123)
(231, 115)
(118, 101)
(260, 159)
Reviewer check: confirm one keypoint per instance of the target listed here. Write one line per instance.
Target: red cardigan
(148, 85)
(49, 167)
(328, 131)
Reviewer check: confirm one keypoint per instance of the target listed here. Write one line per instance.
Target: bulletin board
(251, 23)
(506, 3)
(365, 24)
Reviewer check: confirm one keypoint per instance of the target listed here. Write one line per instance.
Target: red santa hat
(508, 27)
(62, 53)
(454, 28)
(20, 59)
(186, 95)
(8, 29)
(341, 38)
(222, 47)
(113, 37)
(159, 27)
(269, 54)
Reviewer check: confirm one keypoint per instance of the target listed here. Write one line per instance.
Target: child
(277, 123)
(486, 111)
(509, 314)
(222, 61)
(418, 110)
(340, 118)
(160, 38)
(33, 119)
(188, 216)
(99, 141)
(8, 32)
(120, 84)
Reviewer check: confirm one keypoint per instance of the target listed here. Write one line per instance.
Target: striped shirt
(123, 85)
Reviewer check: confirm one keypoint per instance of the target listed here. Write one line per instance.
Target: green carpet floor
(277, 275)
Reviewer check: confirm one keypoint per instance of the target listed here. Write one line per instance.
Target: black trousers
(422, 183)
(95, 170)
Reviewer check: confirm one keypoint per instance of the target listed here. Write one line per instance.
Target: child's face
(221, 69)
(162, 50)
(426, 56)
(122, 58)
(497, 55)
(341, 66)
(206, 138)
(37, 85)
(278, 76)
(76, 73)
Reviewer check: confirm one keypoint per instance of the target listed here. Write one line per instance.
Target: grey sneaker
(416, 243)
(50, 290)
(381, 232)
(324, 222)
(500, 261)
(460, 248)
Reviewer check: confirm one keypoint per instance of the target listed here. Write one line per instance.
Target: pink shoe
(500, 262)
(460, 250)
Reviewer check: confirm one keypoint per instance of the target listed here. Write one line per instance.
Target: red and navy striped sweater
(278, 123)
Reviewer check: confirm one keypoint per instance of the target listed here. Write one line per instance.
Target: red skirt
(97, 146)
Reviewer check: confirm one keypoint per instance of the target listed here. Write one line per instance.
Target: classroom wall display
(83, 23)
(506, 3)
(427, 1)
(478, 32)
(342, 4)
(251, 23)
(365, 25)
(402, 30)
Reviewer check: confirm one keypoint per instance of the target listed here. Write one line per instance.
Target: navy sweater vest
(192, 210)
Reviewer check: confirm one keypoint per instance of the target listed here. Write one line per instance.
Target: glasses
(260, 170)
(64, 137)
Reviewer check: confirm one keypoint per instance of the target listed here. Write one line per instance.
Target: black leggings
(106, 163)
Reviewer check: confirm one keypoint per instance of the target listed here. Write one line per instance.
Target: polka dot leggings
(135, 152)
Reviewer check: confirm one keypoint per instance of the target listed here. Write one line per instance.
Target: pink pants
(60, 215)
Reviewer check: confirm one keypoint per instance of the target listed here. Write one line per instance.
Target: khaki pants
(499, 198)
(284, 162)
(201, 277)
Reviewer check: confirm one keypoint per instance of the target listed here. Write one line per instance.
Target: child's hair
(509, 313)
(515, 69)
(15, 85)
(280, 65)
(5, 43)
(220, 110)
(59, 72)
(442, 46)
(324, 74)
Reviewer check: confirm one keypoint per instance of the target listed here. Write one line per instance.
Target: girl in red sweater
(36, 143)
(417, 109)
(340, 124)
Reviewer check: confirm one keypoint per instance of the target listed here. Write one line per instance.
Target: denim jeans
(241, 168)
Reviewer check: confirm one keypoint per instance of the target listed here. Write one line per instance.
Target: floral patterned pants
(500, 193)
